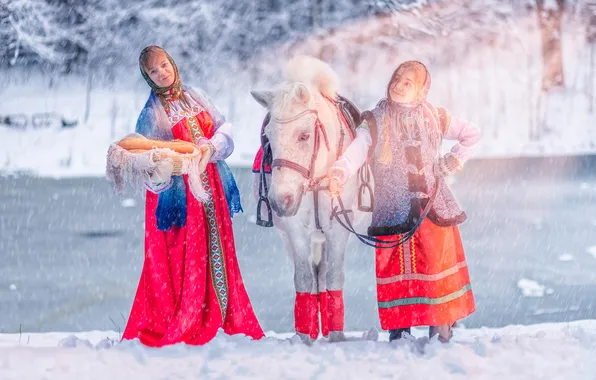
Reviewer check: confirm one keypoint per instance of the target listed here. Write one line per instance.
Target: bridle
(307, 173)
(313, 183)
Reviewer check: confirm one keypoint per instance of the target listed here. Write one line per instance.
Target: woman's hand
(335, 181)
(335, 187)
(449, 164)
(207, 151)
(162, 172)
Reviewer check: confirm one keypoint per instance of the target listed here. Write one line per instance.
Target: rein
(372, 241)
(338, 212)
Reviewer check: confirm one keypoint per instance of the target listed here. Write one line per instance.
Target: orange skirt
(425, 281)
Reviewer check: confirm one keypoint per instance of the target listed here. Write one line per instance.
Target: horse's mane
(316, 75)
(312, 72)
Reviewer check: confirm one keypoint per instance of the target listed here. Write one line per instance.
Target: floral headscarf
(421, 79)
(164, 94)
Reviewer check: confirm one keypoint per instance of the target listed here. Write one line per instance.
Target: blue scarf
(171, 206)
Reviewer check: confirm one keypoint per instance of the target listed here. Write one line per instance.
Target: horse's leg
(336, 243)
(298, 247)
(306, 307)
(336, 247)
(319, 245)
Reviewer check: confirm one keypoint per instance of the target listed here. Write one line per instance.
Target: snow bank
(549, 351)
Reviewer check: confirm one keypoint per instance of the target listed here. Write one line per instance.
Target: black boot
(397, 334)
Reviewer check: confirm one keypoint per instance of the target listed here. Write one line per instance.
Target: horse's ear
(303, 94)
(264, 98)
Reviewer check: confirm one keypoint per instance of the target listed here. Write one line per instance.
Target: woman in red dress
(191, 285)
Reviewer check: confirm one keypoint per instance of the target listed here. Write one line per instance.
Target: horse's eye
(304, 136)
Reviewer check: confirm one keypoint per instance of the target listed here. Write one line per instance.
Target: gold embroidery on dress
(194, 128)
(178, 113)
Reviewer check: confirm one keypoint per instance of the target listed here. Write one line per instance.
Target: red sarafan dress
(191, 285)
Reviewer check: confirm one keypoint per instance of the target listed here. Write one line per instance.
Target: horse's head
(303, 131)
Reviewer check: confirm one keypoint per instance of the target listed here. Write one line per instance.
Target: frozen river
(71, 250)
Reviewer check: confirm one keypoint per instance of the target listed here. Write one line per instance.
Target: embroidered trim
(422, 276)
(413, 249)
(407, 257)
(178, 113)
(401, 256)
(216, 252)
(425, 300)
(195, 129)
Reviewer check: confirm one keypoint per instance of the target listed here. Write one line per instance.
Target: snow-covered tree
(31, 27)
(550, 15)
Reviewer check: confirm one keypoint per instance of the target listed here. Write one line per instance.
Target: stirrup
(260, 221)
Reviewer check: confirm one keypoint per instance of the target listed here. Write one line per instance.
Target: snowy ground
(550, 351)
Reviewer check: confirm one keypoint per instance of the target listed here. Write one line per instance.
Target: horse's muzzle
(286, 205)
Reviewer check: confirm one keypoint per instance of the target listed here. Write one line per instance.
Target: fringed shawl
(153, 123)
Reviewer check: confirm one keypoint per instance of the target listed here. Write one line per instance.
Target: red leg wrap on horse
(335, 310)
(306, 314)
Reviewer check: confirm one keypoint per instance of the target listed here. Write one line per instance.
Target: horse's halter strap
(307, 173)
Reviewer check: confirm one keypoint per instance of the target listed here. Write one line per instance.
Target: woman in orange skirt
(425, 280)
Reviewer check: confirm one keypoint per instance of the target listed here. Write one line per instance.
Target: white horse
(305, 132)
